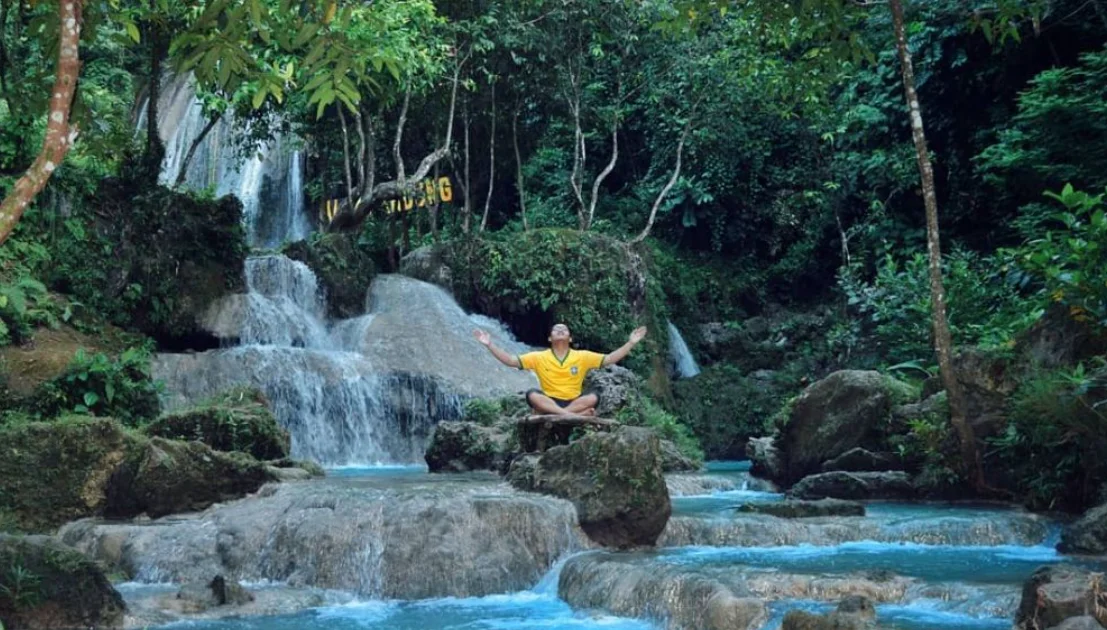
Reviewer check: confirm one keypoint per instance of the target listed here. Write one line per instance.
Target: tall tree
(59, 134)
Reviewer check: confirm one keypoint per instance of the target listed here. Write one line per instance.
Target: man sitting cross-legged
(561, 370)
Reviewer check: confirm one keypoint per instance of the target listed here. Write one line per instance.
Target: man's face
(559, 332)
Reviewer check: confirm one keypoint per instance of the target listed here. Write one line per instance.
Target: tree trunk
(943, 344)
(183, 174)
(668, 185)
(519, 170)
(491, 163)
(468, 205)
(59, 135)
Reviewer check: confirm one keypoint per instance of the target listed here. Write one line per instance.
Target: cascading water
(269, 177)
(684, 364)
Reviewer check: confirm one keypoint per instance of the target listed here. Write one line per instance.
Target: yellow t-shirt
(562, 378)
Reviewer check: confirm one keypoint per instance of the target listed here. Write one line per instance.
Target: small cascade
(268, 177)
(683, 363)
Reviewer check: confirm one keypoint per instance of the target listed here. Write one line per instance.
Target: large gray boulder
(1058, 593)
(465, 446)
(615, 481)
(1086, 535)
(46, 584)
(615, 385)
(842, 411)
(855, 486)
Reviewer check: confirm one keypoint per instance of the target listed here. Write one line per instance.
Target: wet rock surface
(1055, 594)
(1086, 535)
(382, 539)
(805, 509)
(464, 446)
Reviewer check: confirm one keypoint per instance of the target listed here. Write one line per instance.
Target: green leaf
(91, 398)
(132, 31)
(109, 390)
(259, 97)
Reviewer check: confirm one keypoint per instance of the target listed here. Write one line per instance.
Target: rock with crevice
(616, 387)
(845, 410)
(1055, 594)
(858, 486)
(765, 458)
(196, 597)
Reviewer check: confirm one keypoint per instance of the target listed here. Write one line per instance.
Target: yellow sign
(430, 192)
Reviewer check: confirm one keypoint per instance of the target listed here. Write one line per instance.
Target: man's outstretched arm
(620, 354)
(509, 360)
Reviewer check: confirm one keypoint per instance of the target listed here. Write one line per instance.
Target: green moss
(152, 259)
(901, 392)
(344, 269)
(51, 473)
(596, 285)
(642, 410)
(236, 420)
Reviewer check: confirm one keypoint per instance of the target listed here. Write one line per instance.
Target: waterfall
(683, 363)
(366, 390)
(268, 180)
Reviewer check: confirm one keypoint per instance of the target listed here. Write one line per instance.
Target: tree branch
(668, 185)
(491, 163)
(183, 173)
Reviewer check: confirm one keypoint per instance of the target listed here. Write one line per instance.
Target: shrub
(1054, 450)
(100, 385)
(644, 411)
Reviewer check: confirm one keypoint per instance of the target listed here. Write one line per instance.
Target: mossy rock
(168, 477)
(236, 420)
(46, 584)
(55, 472)
(76, 467)
(344, 270)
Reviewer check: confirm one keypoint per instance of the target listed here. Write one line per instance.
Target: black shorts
(561, 403)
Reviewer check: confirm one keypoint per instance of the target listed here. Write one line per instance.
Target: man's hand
(483, 337)
(638, 334)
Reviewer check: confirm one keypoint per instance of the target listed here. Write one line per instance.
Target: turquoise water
(1005, 565)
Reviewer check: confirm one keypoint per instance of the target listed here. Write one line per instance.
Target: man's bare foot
(591, 411)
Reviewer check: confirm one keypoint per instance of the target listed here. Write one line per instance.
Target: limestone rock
(672, 460)
(428, 263)
(615, 482)
(806, 509)
(465, 446)
(615, 385)
(69, 590)
(763, 453)
(1056, 593)
(521, 472)
(170, 477)
(1086, 535)
(855, 486)
(842, 411)
(860, 460)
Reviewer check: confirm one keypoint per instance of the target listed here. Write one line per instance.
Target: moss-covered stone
(344, 270)
(60, 471)
(169, 477)
(236, 420)
(45, 584)
(75, 467)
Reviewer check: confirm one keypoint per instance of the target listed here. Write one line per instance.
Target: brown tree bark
(943, 343)
(519, 169)
(183, 174)
(59, 134)
(491, 163)
(668, 185)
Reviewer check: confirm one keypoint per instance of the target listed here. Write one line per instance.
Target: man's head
(560, 332)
